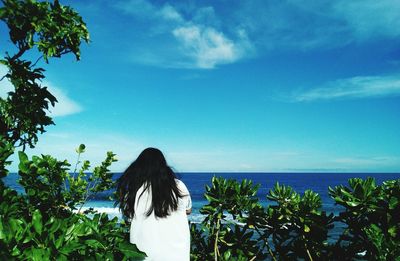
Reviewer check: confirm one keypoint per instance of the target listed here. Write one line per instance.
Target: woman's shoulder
(181, 186)
(180, 183)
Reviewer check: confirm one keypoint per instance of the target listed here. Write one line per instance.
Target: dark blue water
(300, 182)
(318, 182)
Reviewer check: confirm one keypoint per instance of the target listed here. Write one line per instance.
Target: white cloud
(193, 42)
(64, 106)
(206, 46)
(356, 87)
(169, 13)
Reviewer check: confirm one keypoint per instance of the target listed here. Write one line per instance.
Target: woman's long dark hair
(151, 170)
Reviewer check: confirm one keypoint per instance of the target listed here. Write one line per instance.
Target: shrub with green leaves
(42, 224)
(294, 227)
(371, 217)
(75, 237)
(224, 233)
(298, 227)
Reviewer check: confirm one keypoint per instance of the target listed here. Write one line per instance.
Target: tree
(54, 30)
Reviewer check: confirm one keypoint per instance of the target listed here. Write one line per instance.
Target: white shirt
(162, 239)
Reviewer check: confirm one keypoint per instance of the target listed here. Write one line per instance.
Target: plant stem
(88, 192)
(76, 165)
(216, 251)
(308, 252)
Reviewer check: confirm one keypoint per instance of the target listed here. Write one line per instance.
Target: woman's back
(162, 239)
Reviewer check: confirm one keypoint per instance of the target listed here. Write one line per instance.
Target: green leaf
(62, 257)
(352, 203)
(71, 247)
(227, 255)
(70, 229)
(94, 243)
(210, 198)
(15, 251)
(130, 250)
(55, 225)
(59, 241)
(39, 254)
(22, 157)
(37, 221)
(306, 228)
(393, 202)
(392, 231)
(2, 232)
(16, 227)
(23, 162)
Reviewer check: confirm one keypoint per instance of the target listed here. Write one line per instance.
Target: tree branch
(21, 51)
(38, 59)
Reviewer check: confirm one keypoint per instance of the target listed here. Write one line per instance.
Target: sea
(196, 182)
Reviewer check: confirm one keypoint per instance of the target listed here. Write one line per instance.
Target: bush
(293, 226)
(42, 224)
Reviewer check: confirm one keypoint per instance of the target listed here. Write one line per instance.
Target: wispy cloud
(369, 18)
(367, 162)
(169, 13)
(305, 25)
(327, 163)
(64, 106)
(356, 87)
(145, 9)
(191, 41)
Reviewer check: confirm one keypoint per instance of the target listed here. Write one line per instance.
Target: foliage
(293, 226)
(54, 30)
(372, 218)
(6, 150)
(220, 238)
(76, 237)
(42, 224)
(45, 223)
(50, 187)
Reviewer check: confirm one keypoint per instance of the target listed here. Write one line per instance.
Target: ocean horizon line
(263, 172)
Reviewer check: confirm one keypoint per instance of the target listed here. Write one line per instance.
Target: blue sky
(233, 85)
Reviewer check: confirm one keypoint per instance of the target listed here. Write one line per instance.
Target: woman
(157, 204)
